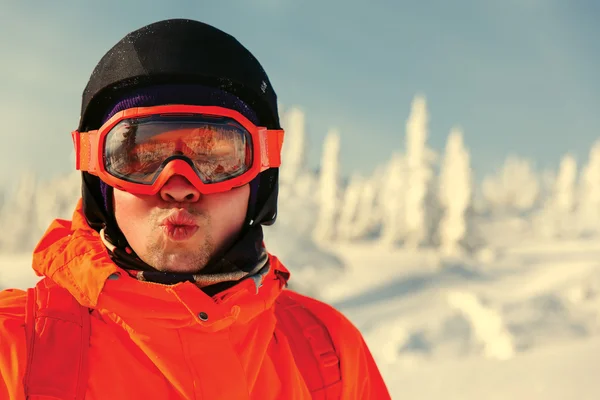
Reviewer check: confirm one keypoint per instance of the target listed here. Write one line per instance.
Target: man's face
(179, 229)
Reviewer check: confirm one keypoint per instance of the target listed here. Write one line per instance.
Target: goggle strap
(271, 142)
(86, 150)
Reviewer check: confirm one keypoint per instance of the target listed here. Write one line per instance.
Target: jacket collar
(72, 255)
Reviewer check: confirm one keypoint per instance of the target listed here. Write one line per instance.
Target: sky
(518, 76)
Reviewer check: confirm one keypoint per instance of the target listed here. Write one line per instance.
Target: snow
(515, 187)
(350, 208)
(487, 323)
(461, 329)
(455, 193)
(565, 183)
(557, 218)
(392, 199)
(419, 172)
(328, 193)
(588, 213)
(294, 145)
(561, 372)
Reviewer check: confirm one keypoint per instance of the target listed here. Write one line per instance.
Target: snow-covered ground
(520, 324)
(523, 326)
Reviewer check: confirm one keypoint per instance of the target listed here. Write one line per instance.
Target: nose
(179, 190)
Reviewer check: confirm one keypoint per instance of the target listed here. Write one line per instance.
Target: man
(160, 287)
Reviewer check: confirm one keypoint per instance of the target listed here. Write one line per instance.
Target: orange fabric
(148, 341)
(314, 352)
(58, 339)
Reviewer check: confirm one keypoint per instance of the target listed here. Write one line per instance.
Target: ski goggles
(214, 148)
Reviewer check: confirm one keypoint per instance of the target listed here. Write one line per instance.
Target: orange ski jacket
(153, 341)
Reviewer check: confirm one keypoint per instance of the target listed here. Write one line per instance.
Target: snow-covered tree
(557, 219)
(547, 181)
(294, 147)
(512, 190)
(455, 194)
(368, 216)
(350, 208)
(419, 159)
(564, 194)
(392, 201)
(328, 188)
(588, 198)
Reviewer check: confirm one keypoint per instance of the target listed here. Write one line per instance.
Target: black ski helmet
(179, 51)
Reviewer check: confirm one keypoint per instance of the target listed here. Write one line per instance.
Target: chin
(183, 263)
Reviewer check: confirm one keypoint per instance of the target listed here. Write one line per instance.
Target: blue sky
(519, 76)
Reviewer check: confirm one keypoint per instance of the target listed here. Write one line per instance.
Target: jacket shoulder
(362, 378)
(336, 322)
(13, 344)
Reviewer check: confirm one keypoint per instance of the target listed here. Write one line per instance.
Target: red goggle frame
(90, 151)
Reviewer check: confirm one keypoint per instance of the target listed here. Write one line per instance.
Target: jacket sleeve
(13, 347)
(361, 378)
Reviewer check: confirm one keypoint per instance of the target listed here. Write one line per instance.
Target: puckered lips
(179, 225)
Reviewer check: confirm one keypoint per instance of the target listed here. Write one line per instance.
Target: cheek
(131, 212)
(229, 209)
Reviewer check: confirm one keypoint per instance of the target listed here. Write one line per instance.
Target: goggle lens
(217, 148)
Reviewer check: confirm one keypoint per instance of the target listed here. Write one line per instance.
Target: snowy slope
(525, 326)
(560, 372)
